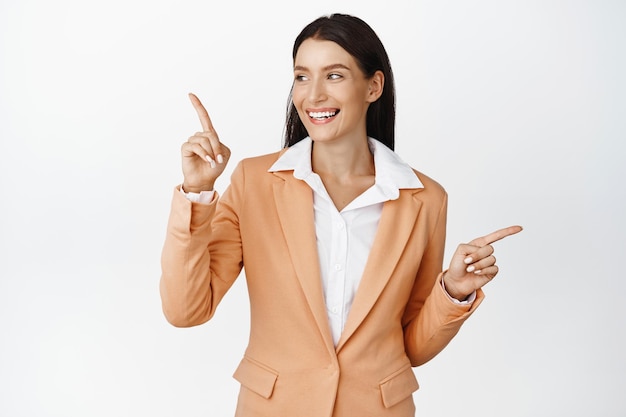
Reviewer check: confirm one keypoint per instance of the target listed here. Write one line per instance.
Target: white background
(517, 107)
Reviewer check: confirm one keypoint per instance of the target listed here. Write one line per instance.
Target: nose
(317, 91)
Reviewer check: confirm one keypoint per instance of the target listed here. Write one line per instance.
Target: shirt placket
(337, 278)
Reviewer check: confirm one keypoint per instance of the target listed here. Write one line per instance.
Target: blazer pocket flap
(398, 386)
(256, 377)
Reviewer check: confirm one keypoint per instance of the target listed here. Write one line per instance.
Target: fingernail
(468, 260)
(220, 159)
(478, 271)
(209, 159)
(470, 268)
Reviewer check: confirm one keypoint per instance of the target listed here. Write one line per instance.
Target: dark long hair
(360, 41)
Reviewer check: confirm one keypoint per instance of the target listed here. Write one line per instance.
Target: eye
(300, 77)
(334, 76)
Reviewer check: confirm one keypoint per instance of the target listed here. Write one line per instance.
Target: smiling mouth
(322, 115)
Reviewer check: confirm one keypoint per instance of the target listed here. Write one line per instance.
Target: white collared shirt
(344, 238)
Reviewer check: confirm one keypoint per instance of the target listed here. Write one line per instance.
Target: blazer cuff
(189, 216)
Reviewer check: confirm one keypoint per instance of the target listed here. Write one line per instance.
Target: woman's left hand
(473, 264)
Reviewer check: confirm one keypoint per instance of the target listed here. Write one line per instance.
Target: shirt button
(337, 267)
(334, 310)
(340, 226)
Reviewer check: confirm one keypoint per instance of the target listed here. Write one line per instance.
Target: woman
(342, 243)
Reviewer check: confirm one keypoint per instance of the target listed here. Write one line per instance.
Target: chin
(318, 134)
(322, 138)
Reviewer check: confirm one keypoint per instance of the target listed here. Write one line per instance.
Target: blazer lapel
(294, 203)
(395, 227)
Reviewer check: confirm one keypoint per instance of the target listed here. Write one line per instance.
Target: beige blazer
(400, 317)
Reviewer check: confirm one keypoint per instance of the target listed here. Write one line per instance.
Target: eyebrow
(326, 68)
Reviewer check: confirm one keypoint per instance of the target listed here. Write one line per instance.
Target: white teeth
(321, 114)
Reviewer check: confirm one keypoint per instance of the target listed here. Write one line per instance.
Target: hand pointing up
(204, 157)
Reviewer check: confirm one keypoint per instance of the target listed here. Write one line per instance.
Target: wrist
(197, 189)
(452, 291)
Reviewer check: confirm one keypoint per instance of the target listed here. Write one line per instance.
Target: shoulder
(255, 170)
(250, 179)
(430, 185)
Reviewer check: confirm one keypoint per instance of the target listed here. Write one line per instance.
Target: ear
(376, 85)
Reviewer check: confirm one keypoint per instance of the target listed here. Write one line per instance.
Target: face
(331, 93)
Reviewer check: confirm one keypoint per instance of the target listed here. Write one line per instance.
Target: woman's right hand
(204, 157)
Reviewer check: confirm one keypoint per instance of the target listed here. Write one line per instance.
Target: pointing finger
(205, 120)
(495, 236)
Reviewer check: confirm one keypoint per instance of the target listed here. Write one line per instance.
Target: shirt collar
(392, 173)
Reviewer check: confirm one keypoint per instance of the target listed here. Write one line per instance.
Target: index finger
(205, 120)
(495, 236)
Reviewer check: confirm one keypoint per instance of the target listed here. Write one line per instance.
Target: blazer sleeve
(202, 254)
(431, 319)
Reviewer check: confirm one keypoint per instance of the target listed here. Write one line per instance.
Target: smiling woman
(342, 243)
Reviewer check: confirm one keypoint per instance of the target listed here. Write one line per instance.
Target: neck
(342, 160)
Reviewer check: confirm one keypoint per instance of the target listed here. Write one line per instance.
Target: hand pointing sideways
(473, 264)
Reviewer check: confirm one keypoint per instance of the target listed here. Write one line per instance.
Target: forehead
(316, 53)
